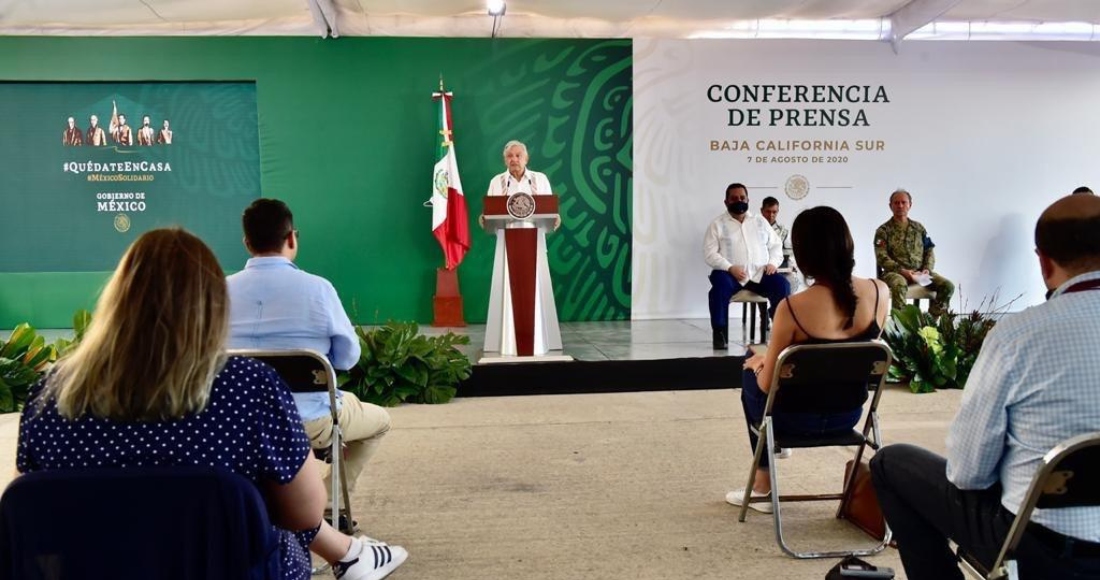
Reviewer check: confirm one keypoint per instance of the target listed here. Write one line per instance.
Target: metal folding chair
(308, 371)
(1068, 477)
(916, 293)
(759, 308)
(821, 378)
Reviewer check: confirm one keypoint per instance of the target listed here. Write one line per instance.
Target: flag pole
(447, 301)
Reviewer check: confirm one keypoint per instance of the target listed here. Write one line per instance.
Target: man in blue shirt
(274, 305)
(1035, 384)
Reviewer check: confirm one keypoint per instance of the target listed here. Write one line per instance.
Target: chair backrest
(172, 523)
(829, 378)
(303, 370)
(1068, 477)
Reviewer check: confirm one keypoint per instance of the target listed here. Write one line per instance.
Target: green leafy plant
(25, 357)
(398, 364)
(938, 352)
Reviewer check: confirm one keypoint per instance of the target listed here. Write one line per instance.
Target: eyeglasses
(295, 233)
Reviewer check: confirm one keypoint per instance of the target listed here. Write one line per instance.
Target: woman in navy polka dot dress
(150, 385)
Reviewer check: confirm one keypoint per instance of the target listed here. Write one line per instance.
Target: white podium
(522, 321)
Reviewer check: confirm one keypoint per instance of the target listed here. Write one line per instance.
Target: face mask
(738, 207)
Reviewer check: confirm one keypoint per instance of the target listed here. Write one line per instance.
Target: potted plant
(25, 357)
(398, 364)
(938, 352)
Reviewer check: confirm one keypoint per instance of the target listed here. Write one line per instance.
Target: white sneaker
(734, 498)
(783, 453)
(376, 561)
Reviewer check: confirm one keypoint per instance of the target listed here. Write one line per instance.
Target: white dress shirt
(751, 244)
(531, 182)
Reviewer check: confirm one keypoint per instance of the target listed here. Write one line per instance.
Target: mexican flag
(450, 221)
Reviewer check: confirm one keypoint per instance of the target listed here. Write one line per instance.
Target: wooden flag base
(447, 302)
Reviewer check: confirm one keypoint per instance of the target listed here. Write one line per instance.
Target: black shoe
(721, 341)
(343, 527)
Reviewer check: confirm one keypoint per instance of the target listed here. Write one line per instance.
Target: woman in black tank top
(824, 251)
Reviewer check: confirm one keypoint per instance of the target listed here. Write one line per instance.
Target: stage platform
(609, 357)
(612, 356)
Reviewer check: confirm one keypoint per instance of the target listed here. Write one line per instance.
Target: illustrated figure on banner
(164, 136)
(72, 137)
(95, 134)
(145, 133)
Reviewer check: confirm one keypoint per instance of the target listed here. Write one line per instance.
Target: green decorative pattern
(572, 105)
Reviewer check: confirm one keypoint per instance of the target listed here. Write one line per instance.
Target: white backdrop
(984, 135)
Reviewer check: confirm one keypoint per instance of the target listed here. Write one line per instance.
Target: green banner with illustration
(90, 166)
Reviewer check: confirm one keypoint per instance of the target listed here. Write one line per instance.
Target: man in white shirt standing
(744, 253)
(518, 177)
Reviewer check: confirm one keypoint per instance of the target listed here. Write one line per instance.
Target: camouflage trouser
(943, 288)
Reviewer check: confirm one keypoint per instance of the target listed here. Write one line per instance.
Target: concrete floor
(607, 486)
(604, 486)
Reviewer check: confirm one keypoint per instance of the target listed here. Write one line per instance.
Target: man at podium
(522, 318)
(518, 177)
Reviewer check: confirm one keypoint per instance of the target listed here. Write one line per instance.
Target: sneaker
(735, 497)
(783, 453)
(376, 561)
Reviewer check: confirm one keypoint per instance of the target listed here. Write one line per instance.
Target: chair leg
(336, 474)
(760, 445)
(752, 322)
(764, 323)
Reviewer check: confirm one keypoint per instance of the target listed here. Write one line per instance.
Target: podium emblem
(520, 205)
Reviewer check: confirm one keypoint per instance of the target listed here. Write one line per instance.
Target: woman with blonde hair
(150, 385)
(838, 307)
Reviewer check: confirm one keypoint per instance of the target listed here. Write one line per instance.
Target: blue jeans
(753, 400)
(723, 286)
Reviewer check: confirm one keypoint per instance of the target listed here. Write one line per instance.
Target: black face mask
(738, 207)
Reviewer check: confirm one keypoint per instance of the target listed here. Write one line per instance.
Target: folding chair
(169, 523)
(759, 308)
(1068, 477)
(916, 293)
(308, 371)
(821, 378)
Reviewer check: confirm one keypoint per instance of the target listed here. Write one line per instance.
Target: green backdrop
(347, 138)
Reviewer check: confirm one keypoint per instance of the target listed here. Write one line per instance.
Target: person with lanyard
(1035, 384)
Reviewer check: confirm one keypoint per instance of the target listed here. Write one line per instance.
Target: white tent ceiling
(524, 18)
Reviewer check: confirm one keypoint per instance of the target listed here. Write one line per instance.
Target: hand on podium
(557, 222)
(481, 221)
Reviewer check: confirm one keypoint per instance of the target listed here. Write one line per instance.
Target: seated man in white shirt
(745, 253)
(274, 305)
(1035, 384)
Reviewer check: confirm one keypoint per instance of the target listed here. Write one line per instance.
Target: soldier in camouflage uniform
(902, 250)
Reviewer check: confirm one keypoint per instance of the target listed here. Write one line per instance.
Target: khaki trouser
(943, 288)
(363, 425)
